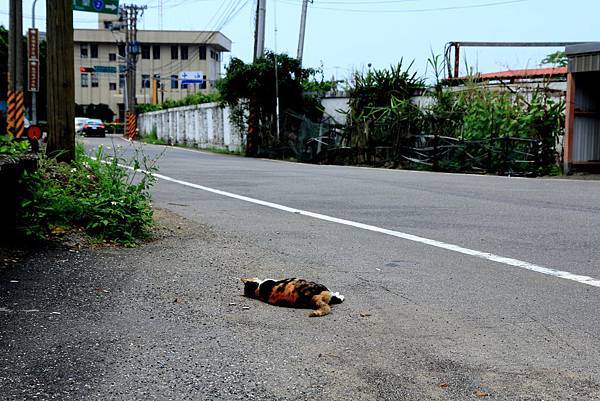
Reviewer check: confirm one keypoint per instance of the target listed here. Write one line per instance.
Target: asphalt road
(419, 322)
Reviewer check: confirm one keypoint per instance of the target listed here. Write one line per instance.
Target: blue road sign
(98, 5)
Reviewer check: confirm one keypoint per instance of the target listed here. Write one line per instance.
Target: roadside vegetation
(471, 127)
(249, 90)
(10, 147)
(189, 100)
(152, 138)
(395, 118)
(93, 195)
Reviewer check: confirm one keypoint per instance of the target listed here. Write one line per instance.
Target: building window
(156, 52)
(94, 80)
(203, 84)
(121, 81)
(94, 50)
(214, 55)
(174, 82)
(146, 52)
(145, 81)
(184, 86)
(112, 86)
(184, 52)
(156, 77)
(112, 57)
(122, 49)
(83, 52)
(174, 52)
(84, 80)
(202, 52)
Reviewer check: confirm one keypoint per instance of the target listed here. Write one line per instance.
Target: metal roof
(584, 57)
(531, 73)
(528, 73)
(583, 48)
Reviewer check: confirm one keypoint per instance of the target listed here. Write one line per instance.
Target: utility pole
(302, 30)
(259, 37)
(132, 52)
(61, 80)
(16, 101)
(160, 14)
(252, 135)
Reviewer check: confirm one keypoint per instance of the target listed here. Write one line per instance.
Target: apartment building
(100, 65)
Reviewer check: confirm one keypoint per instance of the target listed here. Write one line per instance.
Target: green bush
(189, 100)
(12, 147)
(257, 81)
(97, 195)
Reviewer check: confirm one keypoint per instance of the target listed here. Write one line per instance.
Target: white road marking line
(438, 244)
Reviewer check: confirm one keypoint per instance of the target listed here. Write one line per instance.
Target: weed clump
(93, 194)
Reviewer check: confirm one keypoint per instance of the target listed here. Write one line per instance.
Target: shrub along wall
(476, 128)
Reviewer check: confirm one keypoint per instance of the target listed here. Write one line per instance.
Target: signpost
(97, 6)
(191, 77)
(33, 65)
(33, 73)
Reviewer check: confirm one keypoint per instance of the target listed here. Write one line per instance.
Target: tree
(255, 83)
(558, 59)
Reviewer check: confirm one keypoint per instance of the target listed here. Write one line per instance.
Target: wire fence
(328, 142)
(505, 155)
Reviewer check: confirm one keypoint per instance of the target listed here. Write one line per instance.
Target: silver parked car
(79, 123)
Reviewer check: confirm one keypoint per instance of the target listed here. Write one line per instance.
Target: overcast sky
(346, 35)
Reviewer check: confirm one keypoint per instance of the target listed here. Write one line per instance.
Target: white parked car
(79, 123)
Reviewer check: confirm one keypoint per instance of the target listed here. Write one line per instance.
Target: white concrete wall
(336, 107)
(203, 126)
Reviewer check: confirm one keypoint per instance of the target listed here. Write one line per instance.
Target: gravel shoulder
(166, 321)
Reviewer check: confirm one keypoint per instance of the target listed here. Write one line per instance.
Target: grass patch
(224, 151)
(152, 138)
(96, 195)
(212, 149)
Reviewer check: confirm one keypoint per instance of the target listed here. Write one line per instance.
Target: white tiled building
(99, 58)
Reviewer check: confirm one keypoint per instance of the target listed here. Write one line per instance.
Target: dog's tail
(336, 298)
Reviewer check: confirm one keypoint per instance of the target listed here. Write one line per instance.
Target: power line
(224, 19)
(367, 2)
(416, 10)
(228, 14)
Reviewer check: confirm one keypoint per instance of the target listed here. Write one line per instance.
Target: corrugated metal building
(582, 133)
